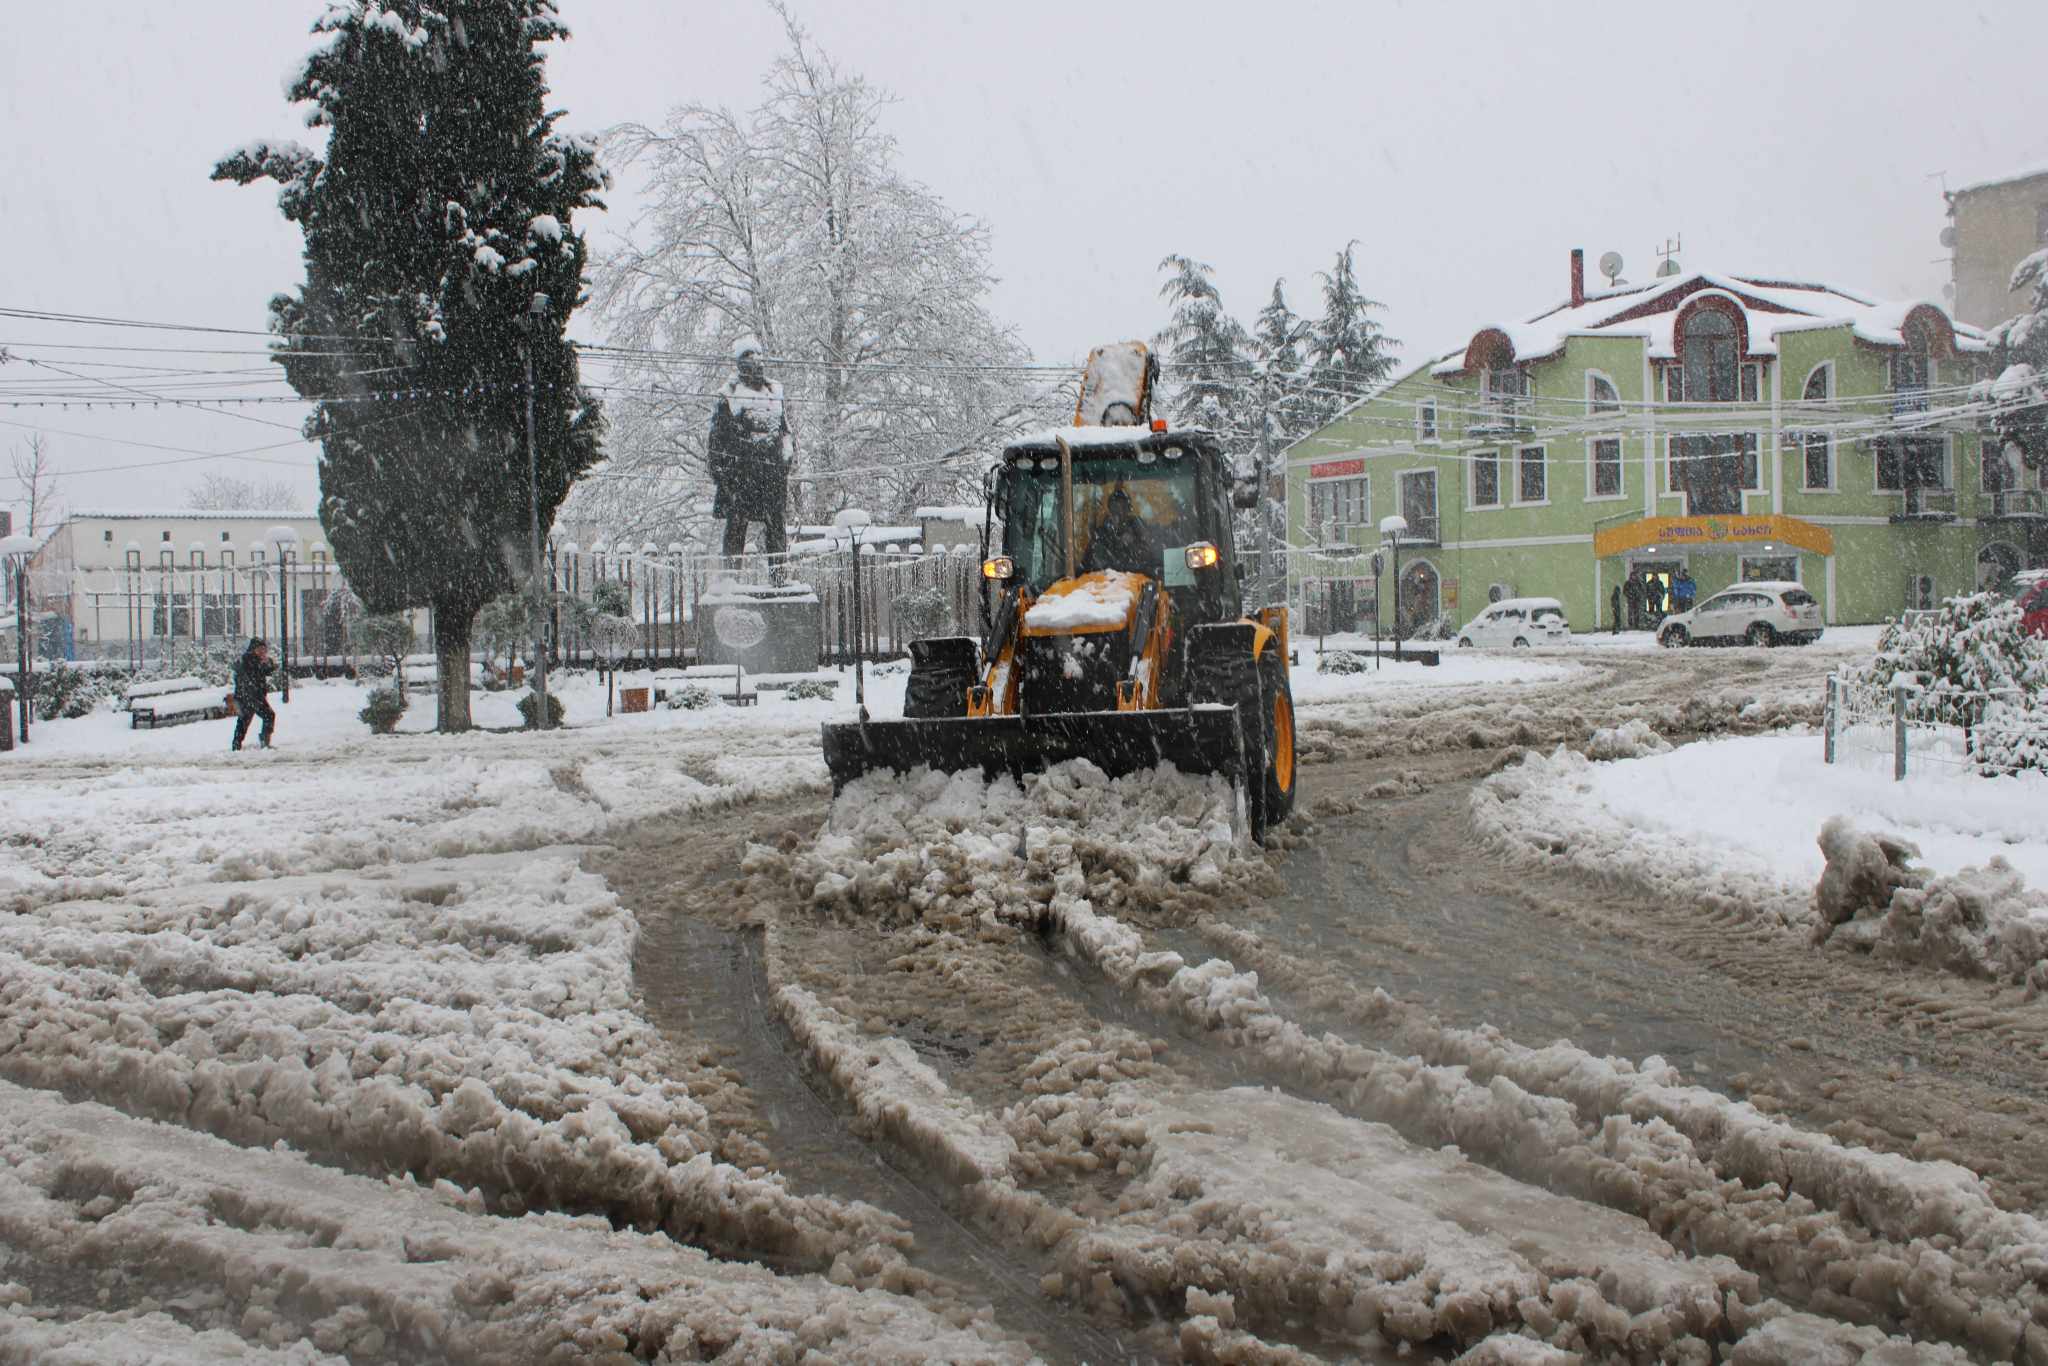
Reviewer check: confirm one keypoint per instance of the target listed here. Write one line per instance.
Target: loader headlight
(1203, 555)
(1001, 567)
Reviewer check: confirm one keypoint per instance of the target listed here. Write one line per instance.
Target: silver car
(1761, 613)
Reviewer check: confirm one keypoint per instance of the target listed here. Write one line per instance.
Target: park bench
(157, 687)
(727, 682)
(169, 709)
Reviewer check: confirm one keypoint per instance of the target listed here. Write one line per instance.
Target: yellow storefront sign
(1706, 533)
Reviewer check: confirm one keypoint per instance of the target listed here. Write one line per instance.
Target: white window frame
(1948, 468)
(1621, 466)
(1337, 526)
(1428, 422)
(1436, 488)
(1519, 500)
(1472, 503)
(1592, 404)
(1742, 563)
(1827, 368)
(1761, 486)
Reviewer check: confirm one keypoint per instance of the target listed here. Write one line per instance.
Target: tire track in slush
(705, 984)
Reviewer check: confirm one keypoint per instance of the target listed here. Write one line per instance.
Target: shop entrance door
(1657, 578)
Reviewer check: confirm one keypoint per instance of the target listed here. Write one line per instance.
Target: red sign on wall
(1328, 469)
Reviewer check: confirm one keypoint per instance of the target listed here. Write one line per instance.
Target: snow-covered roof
(2010, 177)
(1768, 307)
(186, 515)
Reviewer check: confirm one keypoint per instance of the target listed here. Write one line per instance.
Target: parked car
(1517, 623)
(2029, 588)
(1761, 613)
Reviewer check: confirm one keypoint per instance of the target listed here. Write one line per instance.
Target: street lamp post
(284, 538)
(536, 317)
(1392, 528)
(15, 553)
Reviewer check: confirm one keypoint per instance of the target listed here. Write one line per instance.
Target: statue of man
(749, 454)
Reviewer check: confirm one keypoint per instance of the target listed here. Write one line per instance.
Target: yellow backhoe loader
(1114, 623)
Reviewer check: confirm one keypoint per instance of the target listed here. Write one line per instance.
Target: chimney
(1578, 276)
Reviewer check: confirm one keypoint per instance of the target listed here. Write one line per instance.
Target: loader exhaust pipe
(1067, 499)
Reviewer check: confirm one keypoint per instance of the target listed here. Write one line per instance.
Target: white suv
(1761, 613)
(1518, 622)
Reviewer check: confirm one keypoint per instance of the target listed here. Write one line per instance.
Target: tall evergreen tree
(1348, 354)
(1277, 339)
(439, 211)
(1206, 354)
(2020, 352)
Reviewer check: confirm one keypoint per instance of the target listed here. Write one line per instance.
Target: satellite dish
(1610, 266)
(1948, 235)
(1668, 268)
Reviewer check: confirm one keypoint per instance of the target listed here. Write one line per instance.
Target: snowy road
(606, 1043)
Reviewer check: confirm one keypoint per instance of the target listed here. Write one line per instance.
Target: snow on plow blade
(1193, 739)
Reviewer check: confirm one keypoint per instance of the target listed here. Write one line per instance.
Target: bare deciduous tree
(792, 223)
(38, 483)
(226, 493)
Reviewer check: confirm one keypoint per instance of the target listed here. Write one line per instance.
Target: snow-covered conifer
(439, 210)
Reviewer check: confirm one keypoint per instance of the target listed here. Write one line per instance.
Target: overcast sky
(1466, 147)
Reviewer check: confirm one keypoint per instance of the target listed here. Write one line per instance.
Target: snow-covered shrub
(694, 697)
(1969, 664)
(920, 613)
(555, 712)
(211, 664)
(1436, 628)
(1342, 662)
(807, 689)
(71, 692)
(382, 709)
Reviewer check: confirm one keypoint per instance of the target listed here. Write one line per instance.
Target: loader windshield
(1126, 516)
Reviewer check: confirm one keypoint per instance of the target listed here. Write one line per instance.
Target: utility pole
(536, 314)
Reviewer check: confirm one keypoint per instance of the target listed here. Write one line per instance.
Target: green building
(1735, 427)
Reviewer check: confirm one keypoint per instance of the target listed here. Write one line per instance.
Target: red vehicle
(2029, 588)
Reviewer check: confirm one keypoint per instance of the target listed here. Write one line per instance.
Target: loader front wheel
(1278, 705)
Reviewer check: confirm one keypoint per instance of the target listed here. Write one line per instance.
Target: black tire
(1521, 644)
(1464, 643)
(1674, 639)
(1761, 635)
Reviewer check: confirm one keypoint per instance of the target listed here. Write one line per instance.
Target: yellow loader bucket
(1202, 739)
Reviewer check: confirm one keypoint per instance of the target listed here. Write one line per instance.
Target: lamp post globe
(285, 538)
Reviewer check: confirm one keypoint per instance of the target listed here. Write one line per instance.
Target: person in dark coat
(1632, 591)
(1123, 540)
(748, 454)
(252, 693)
(1615, 617)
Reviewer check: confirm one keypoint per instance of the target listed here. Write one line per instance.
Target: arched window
(1601, 396)
(1707, 353)
(1819, 446)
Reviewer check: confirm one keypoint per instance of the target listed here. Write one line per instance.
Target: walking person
(1632, 590)
(1615, 615)
(252, 692)
(1683, 591)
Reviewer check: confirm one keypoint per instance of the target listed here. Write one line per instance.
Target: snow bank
(465, 1018)
(1983, 922)
(269, 1249)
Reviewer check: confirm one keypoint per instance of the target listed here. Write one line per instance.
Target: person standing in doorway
(749, 454)
(1632, 590)
(252, 693)
(1683, 591)
(1615, 615)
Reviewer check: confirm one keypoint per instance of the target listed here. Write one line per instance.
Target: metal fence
(1916, 727)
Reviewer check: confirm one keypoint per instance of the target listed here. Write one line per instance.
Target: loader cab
(1139, 500)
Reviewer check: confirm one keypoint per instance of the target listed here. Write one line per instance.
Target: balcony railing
(1495, 414)
(1926, 505)
(2019, 504)
(1908, 399)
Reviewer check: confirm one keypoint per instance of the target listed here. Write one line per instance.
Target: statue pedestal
(763, 628)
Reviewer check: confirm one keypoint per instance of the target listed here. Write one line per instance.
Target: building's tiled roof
(1770, 306)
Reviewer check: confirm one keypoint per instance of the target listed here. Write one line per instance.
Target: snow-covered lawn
(1737, 823)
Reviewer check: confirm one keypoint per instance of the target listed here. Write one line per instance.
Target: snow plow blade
(1201, 739)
